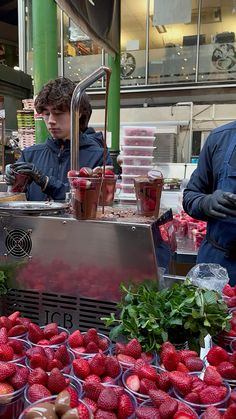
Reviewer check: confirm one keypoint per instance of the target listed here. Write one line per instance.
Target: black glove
(220, 204)
(9, 175)
(31, 170)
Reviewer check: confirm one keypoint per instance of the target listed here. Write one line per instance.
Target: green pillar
(114, 105)
(45, 67)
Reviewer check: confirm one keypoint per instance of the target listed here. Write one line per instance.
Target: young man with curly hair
(47, 164)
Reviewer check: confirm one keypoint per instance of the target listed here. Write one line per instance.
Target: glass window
(217, 58)
(172, 42)
(133, 41)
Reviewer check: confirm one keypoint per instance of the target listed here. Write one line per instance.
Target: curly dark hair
(58, 93)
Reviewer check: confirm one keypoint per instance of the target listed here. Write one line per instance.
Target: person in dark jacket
(210, 195)
(47, 164)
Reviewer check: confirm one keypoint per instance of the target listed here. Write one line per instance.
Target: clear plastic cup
(51, 399)
(20, 183)
(74, 383)
(26, 345)
(148, 195)
(60, 329)
(11, 404)
(66, 368)
(107, 191)
(149, 403)
(85, 194)
(79, 354)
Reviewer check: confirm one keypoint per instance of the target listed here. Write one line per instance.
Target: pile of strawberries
(14, 324)
(89, 342)
(99, 368)
(66, 405)
(183, 360)
(230, 295)
(11, 349)
(108, 402)
(127, 354)
(223, 362)
(12, 378)
(48, 358)
(163, 406)
(43, 385)
(48, 335)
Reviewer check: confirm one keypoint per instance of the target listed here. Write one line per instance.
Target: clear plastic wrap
(208, 275)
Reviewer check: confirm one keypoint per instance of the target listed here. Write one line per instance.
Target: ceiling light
(161, 28)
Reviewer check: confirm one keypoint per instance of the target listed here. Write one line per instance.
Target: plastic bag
(208, 275)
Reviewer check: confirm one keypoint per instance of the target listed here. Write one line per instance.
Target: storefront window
(217, 58)
(172, 41)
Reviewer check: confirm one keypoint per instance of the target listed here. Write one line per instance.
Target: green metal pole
(45, 67)
(114, 105)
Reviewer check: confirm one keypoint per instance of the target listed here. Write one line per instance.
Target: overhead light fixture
(161, 28)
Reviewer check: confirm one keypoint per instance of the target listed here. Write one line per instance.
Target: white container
(127, 188)
(129, 150)
(139, 141)
(135, 170)
(128, 179)
(137, 160)
(139, 131)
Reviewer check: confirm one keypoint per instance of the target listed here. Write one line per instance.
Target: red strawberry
(92, 390)
(37, 392)
(16, 345)
(14, 316)
(182, 367)
(39, 360)
(62, 355)
(44, 342)
(73, 396)
(125, 407)
(50, 330)
(192, 397)
(212, 394)
(38, 376)
(147, 371)
(20, 378)
(17, 330)
(227, 370)
(6, 370)
(34, 351)
(168, 408)
(228, 290)
(54, 363)
(81, 368)
(92, 348)
(212, 413)
(216, 355)
(49, 352)
(230, 412)
(170, 359)
(56, 381)
(97, 364)
(158, 397)
(181, 381)
(93, 377)
(186, 353)
(146, 385)
(147, 412)
(126, 359)
(103, 414)
(107, 399)
(163, 382)
(35, 333)
(6, 353)
(90, 403)
(107, 379)
(133, 348)
(5, 322)
(119, 348)
(103, 344)
(91, 336)
(112, 366)
(212, 377)
(194, 364)
(61, 338)
(3, 335)
(133, 382)
(181, 414)
(76, 339)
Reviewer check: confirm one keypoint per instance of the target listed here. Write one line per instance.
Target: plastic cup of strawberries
(51, 384)
(89, 343)
(20, 347)
(128, 353)
(13, 325)
(50, 335)
(165, 405)
(13, 380)
(49, 407)
(220, 360)
(48, 358)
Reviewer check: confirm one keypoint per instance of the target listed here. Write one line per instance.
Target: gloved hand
(220, 204)
(31, 170)
(9, 175)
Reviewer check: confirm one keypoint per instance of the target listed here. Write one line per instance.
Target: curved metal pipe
(74, 114)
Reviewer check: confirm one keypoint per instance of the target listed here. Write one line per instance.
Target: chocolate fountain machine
(69, 271)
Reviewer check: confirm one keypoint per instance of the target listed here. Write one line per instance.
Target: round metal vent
(18, 243)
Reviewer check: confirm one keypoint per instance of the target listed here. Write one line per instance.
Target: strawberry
(90, 403)
(212, 377)
(112, 366)
(146, 385)
(181, 381)
(91, 336)
(39, 360)
(93, 377)
(170, 359)
(103, 344)
(107, 399)
(212, 394)
(54, 363)
(62, 355)
(6, 370)
(16, 345)
(38, 376)
(17, 330)
(228, 290)
(158, 397)
(227, 370)
(49, 353)
(147, 412)
(103, 414)
(212, 413)
(34, 333)
(20, 378)
(119, 348)
(37, 392)
(230, 412)
(44, 342)
(168, 408)
(5, 322)
(56, 381)
(3, 335)
(14, 316)
(5, 389)
(216, 355)
(192, 397)
(133, 382)
(186, 353)
(97, 364)
(50, 330)
(81, 368)
(181, 414)
(6, 353)
(35, 350)
(126, 359)
(133, 348)
(92, 390)
(92, 348)
(75, 339)
(163, 382)
(125, 407)
(194, 364)
(182, 367)
(61, 338)
(107, 379)
(147, 371)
